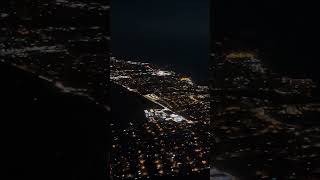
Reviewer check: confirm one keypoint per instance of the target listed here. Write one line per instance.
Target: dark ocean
(128, 106)
(171, 34)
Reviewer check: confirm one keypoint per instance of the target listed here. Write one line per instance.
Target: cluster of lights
(163, 73)
(163, 114)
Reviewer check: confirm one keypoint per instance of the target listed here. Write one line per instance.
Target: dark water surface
(166, 33)
(128, 106)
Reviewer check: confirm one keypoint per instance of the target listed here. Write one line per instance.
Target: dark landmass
(39, 119)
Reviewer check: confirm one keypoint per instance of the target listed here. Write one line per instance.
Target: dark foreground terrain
(48, 134)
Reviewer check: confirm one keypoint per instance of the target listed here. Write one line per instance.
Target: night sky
(284, 32)
(165, 32)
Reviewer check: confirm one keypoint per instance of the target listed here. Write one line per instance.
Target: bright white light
(173, 115)
(163, 73)
(178, 119)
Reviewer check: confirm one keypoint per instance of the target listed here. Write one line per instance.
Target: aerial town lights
(159, 113)
(163, 73)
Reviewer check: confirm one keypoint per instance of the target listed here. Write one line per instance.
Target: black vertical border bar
(210, 64)
(211, 80)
